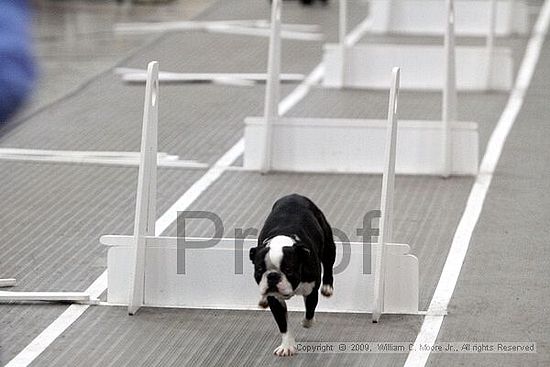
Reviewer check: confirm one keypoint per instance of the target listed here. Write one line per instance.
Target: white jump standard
(142, 268)
(302, 144)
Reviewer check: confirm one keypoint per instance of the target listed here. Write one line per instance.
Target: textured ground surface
(52, 214)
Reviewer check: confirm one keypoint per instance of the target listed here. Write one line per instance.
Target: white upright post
(145, 215)
(386, 201)
(490, 44)
(271, 111)
(449, 106)
(342, 31)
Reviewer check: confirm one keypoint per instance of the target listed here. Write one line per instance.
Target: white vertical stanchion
(490, 44)
(144, 224)
(342, 31)
(386, 201)
(271, 111)
(449, 106)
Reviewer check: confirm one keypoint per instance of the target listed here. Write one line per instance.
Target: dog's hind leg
(329, 256)
(278, 309)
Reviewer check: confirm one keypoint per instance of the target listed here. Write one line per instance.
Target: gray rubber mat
(502, 293)
(51, 219)
(164, 337)
(62, 205)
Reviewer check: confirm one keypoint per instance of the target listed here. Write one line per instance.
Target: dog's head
(278, 266)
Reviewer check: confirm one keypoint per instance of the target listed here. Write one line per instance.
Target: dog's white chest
(304, 288)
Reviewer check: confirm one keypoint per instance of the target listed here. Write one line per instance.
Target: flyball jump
(442, 147)
(143, 267)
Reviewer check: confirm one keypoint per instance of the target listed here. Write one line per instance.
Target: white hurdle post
(342, 31)
(386, 201)
(490, 44)
(449, 107)
(271, 111)
(144, 224)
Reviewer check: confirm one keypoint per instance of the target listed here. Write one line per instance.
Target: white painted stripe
(69, 316)
(461, 241)
(356, 34)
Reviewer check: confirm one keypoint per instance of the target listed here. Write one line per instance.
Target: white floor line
(461, 241)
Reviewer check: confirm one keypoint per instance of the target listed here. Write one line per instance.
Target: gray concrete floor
(54, 213)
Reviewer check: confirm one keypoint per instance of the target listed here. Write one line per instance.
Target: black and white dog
(295, 240)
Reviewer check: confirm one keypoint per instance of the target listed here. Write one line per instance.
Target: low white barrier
(445, 147)
(366, 65)
(143, 268)
(427, 17)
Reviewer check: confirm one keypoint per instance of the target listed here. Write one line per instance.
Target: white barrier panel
(7, 282)
(210, 280)
(422, 67)
(427, 17)
(71, 297)
(357, 146)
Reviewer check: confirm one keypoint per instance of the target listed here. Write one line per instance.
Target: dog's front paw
(263, 302)
(287, 347)
(327, 290)
(308, 323)
(284, 351)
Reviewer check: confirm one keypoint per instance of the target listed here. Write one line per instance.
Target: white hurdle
(278, 143)
(142, 268)
(7, 282)
(365, 65)
(301, 32)
(424, 17)
(71, 297)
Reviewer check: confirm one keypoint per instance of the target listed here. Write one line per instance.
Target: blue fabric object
(17, 69)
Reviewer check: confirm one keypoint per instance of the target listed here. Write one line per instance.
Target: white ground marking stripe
(69, 316)
(461, 241)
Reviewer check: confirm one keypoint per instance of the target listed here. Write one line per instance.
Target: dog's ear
(252, 253)
(302, 251)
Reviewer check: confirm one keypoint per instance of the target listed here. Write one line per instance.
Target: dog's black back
(296, 215)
